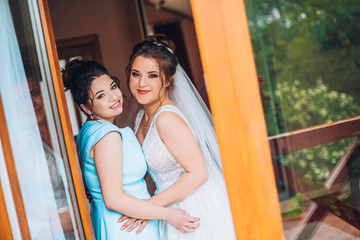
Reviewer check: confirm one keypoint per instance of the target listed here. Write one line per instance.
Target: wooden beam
(232, 84)
(65, 119)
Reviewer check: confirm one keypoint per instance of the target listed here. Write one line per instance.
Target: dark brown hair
(78, 76)
(160, 48)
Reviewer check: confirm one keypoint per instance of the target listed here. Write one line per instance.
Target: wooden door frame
(84, 41)
(65, 119)
(234, 96)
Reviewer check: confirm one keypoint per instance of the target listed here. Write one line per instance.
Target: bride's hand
(182, 221)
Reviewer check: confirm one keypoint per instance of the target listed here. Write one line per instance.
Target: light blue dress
(134, 168)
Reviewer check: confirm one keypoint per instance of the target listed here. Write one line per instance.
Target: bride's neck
(150, 109)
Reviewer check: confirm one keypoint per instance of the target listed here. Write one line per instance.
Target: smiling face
(106, 99)
(145, 84)
(37, 101)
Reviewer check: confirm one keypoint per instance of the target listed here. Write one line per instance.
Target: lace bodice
(162, 166)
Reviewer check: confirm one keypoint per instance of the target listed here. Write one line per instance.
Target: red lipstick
(142, 92)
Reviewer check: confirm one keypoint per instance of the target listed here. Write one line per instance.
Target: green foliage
(307, 106)
(315, 105)
(305, 41)
(296, 212)
(296, 205)
(308, 52)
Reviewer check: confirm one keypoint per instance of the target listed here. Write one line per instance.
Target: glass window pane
(31, 116)
(306, 54)
(307, 61)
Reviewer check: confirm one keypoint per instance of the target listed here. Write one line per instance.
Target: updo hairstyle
(160, 48)
(78, 76)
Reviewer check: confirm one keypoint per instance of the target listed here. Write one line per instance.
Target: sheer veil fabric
(189, 101)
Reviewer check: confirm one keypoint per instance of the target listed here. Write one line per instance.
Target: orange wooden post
(226, 53)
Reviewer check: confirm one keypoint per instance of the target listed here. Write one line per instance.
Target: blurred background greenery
(307, 55)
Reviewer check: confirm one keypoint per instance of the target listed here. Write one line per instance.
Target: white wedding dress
(209, 202)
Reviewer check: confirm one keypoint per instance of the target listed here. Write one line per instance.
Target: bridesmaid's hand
(182, 221)
(134, 223)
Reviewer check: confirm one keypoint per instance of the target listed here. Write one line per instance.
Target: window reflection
(44, 178)
(306, 55)
(54, 161)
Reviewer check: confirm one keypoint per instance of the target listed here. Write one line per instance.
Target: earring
(91, 116)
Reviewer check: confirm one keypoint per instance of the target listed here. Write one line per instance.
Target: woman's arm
(108, 163)
(181, 143)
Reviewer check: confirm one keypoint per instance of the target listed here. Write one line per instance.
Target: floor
(331, 228)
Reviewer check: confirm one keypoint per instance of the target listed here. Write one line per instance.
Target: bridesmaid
(112, 160)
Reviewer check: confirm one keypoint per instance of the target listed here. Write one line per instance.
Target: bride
(175, 130)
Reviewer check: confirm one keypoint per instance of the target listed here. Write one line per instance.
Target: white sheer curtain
(27, 147)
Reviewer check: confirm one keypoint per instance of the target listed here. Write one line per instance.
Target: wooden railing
(313, 136)
(323, 195)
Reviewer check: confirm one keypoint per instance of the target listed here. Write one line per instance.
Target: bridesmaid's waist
(141, 193)
(137, 189)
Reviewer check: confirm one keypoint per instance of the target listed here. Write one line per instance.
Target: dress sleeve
(97, 132)
(105, 129)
